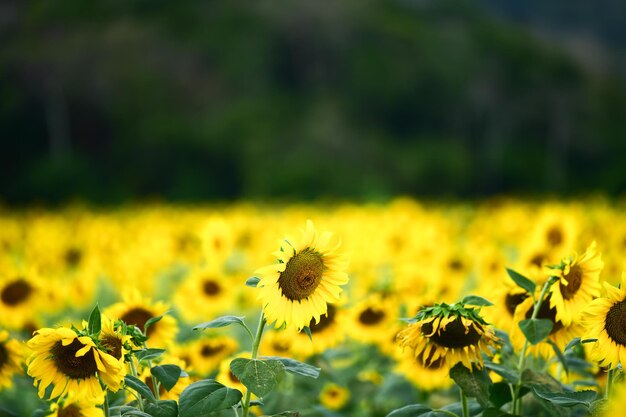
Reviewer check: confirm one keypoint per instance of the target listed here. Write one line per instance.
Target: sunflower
(137, 310)
(579, 283)
(425, 376)
(72, 364)
(112, 340)
(451, 333)
(75, 407)
(505, 297)
(307, 276)
(11, 354)
(604, 320)
(206, 292)
(560, 334)
(21, 294)
(334, 397)
(205, 354)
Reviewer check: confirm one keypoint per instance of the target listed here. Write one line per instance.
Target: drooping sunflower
(425, 376)
(334, 397)
(11, 357)
(449, 332)
(579, 283)
(605, 320)
(307, 277)
(137, 310)
(75, 407)
(72, 364)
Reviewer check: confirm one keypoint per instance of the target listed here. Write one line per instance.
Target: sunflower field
(500, 308)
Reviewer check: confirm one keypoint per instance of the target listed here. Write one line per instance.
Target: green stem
(517, 401)
(609, 383)
(133, 371)
(255, 350)
(106, 405)
(156, 386)
(464, 404)
(439, 410)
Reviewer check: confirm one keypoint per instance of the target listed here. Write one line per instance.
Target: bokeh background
(111, 101)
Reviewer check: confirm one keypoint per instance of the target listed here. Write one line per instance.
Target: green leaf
(296, 367)
(286, 414)
(474, 383)
(510, 375)
(536, 330)
(140, 386)
(252, 281)
(307, 331)
(148, 354)
(412, 410)
(476, 301)
(545, 382)
(206, 396)
(522, 281)
(221, 322)
(500, 394)
(567, 399)
(167, 375)
(574, 342)
(163, 408)
(153, 320)
(136, 413)
(559, 355)
(95, 321)
(117, 411)
(259, 376)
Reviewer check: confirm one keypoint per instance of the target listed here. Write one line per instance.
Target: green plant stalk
(517, 401)
(255, 350)
(156, 386)
(105, 407)
(464, 405)
(609, 383)
(133, 372)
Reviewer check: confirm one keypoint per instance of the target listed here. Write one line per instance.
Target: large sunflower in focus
(579, 283)
(306, 278)
(605, 319)
(450, 334)
(72, 364)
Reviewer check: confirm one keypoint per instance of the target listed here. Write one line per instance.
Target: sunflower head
(579, 283)
(448, 333)
(306, 278)
(334, 397)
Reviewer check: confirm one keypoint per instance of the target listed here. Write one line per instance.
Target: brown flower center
(513, 300)
(210, 287)
(371, 317)
(281, 346)
(16, 292)
(436, 364)
(538, 259)
(210, 350)
(302, 275)
(546, 312)
(455, 335)
(554, 236)
(325, 321)
(73, 256)
(138, 317)
(65, 359)
(615, 323)
(70, 411)
(4, 355)
(112, 345)
(574, 279)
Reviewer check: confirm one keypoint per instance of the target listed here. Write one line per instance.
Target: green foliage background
(115, 100)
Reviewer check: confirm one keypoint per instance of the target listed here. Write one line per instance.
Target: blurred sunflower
(205, 354)
(21, 295)
(505, 297)
(605, 320)
(75, 407)
(136, 310)
(11, 357)
(334, 397)
(451, 333)
(579, 283)
(205, 293)
(372, 319)
(306, 278)
(72, 364)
